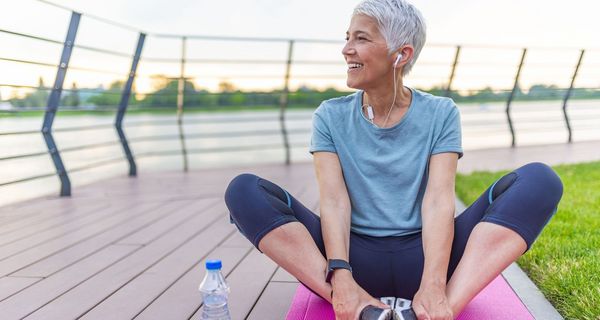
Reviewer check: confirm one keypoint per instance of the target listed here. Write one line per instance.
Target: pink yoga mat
(496, 302)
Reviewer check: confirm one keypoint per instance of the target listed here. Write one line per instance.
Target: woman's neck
(382, 98)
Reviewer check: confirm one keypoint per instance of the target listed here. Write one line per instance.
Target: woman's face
(366, 54)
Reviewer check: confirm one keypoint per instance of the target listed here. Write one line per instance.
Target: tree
(71, 97)
(226, 86)
(36, 99)
(110, 97)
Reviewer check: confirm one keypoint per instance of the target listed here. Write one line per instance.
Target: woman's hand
(349, 298)
(431, 303)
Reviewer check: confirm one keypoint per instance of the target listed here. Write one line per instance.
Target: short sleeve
(449, 139)
(321, 139)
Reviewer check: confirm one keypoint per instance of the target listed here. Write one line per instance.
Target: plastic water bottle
(214, 291)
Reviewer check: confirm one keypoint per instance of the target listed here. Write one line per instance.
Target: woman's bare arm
(437, 213)
(438, 216)
(334, 205)
(348, 298)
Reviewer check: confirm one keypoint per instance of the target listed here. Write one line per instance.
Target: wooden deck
(134, 249)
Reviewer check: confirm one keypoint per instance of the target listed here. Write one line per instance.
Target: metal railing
(127, 92)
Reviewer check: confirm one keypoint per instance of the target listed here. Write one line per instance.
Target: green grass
(564, 262)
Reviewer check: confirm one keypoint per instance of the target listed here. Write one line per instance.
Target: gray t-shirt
(386, 169)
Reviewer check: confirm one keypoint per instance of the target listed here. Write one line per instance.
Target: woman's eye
(362, 38)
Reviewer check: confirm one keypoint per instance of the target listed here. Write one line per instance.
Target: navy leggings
(523, 200)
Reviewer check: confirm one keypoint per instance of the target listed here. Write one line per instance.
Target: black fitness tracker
(333, 264)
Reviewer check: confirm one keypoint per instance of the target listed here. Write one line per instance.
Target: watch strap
(334, 264)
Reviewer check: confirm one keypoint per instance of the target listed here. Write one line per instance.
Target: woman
(385, 159)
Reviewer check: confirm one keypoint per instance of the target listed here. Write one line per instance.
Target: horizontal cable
(31, 36)
(67, 129)
(23, 86)
(216, 120)
(97, 164)
(239, 148)
(245, 119)
(151, 123)
(101, 19)
(105, 51)
(89, 146)
(27, 155)
(27, 179)
(159, 59)
(209, 150)
(63, 89)
(123, 74)
(64, 150)
(84, 128)
(214, 135)
(242, 39)
(37, 63)
(61, 109)
(14, 133)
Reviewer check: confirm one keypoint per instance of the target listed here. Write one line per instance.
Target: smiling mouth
(354, 66)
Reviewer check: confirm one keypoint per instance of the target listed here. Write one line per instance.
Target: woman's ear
(404, 53)
(398, 58)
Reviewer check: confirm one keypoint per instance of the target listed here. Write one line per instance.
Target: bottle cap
(213, 265)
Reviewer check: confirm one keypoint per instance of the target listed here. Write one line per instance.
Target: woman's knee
(544, 179)
(249, 187)
(240, 185)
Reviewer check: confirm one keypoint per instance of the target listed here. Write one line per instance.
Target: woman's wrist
(341, 276)
(433, 283)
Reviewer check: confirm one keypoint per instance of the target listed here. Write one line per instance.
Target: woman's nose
(348, 49)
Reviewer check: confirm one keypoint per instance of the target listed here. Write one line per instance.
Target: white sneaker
(402, 308)
(376, 313)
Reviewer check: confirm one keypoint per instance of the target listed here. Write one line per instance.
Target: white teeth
(354, 65)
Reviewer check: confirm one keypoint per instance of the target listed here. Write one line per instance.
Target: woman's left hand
(431, 303)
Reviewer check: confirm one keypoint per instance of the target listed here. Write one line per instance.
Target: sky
(557, 28)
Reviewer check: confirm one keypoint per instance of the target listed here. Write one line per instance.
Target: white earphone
(397, 59)
(370, 113)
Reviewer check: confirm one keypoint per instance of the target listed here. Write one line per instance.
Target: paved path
(510, 158)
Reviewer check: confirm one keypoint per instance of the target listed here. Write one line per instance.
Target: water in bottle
(214, 291)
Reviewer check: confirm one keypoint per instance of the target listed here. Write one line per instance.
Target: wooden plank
(29, 228)
(110, 288)
(63, 258)
(247, 282)
(12, 285)
(149, 233)
(35, 207)
(237, 240)
(182, 299)
(25, 258)
(275, 301)
(45, 215)
(44, 291)
(283, 276)
(72, 230)
(132, 298)
(84, 297)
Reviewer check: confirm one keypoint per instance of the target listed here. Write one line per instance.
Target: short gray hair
(399, 22)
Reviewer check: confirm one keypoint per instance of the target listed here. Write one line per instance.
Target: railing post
(568, 95)
(54, 100)
(449, 88)
(180, 96)
(283, 102)
(125, 102)
(512, 95)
